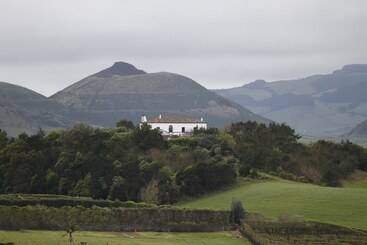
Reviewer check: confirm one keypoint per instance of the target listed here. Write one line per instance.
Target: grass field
(357, 180)
(115, 238)
(305, 139)
(357, 184)
(272, 198)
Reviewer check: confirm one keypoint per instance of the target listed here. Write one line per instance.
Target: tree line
(137, 163)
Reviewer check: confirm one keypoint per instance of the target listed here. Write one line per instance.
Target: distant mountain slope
(319, 105)
(23, 110)
(113, 94)
(360, 131)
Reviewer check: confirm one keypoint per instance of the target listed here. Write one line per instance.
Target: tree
(51, 182)
(189, 182)
(150, 194)
(3, 139)
(148, 170)
(118, 189)
(70, 231)
(63, 186)
(167, 189)
(125, 123)
(146, 138)
(203, 131)
(237, 212)
(84, 186)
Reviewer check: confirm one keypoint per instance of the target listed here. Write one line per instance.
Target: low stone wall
(113, 219)
(280, 233)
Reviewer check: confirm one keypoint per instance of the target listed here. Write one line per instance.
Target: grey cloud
(47, 45)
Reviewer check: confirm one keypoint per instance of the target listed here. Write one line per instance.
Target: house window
(170, 128)
(183, 129)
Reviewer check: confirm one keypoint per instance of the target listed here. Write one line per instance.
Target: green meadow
(357, 180)
(120, 238)
(345, 206)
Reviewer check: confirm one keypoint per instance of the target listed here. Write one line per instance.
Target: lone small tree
(237, 212)
(69, 232)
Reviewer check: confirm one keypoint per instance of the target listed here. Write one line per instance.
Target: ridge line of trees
(138, 164)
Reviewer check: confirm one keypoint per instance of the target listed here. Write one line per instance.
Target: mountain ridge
(359, 131)
(119, 68)
(102, 100)
(24, 110)
(118, 92)
(319, 105)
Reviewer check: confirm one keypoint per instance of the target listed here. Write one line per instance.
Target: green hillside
(356, 180)
(23, 110)
(272, 198)
(115, 238)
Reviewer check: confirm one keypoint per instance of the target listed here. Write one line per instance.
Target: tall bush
(237, 212)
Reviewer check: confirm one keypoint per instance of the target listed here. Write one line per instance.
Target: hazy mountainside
(118, 92)
(319, 105)
(23, 110)
(124, 92)
(360, 131)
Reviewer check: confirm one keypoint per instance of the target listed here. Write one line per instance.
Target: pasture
(118, 238)
(276, 197)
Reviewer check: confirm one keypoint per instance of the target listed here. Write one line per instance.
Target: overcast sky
(46, 45)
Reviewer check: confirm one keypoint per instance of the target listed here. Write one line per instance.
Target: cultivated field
(115, 238)
(272, 198)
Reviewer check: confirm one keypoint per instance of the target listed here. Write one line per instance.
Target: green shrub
(237, 212)
(60, 201)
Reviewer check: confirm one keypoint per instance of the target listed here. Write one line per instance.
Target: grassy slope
(357, 180)
(313, 139)
(115, 238)
(342, 206)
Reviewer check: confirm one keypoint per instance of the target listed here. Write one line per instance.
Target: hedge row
(113, 219)
(60, 201)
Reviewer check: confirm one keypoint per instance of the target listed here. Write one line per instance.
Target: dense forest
(133, 163)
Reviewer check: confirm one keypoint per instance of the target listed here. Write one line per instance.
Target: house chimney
(160, 116)
(144, 119)
(201, 119)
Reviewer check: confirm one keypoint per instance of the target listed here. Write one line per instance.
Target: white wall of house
(177, 127)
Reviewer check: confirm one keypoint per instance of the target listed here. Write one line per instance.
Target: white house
(174, 125)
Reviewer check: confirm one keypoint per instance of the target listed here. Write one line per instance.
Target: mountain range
(23, 110)
(360, 131)
(122, 91)
(319, 105)
(119, 92)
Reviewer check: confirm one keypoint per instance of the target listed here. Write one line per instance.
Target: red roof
(174, 119)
